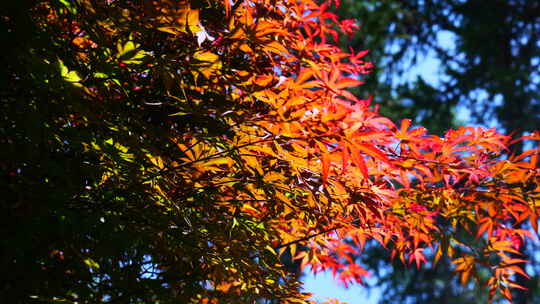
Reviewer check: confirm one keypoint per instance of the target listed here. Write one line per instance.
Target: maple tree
(182, 146)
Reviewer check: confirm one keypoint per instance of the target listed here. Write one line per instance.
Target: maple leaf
(418, 257)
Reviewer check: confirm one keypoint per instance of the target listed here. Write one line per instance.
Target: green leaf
(129, 53)
(69, 5)
(69, 76)
(91, 263)
(100, 75)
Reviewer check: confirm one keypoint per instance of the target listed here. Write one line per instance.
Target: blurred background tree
(484, 57)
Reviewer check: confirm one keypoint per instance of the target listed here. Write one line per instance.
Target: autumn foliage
(227, 135)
